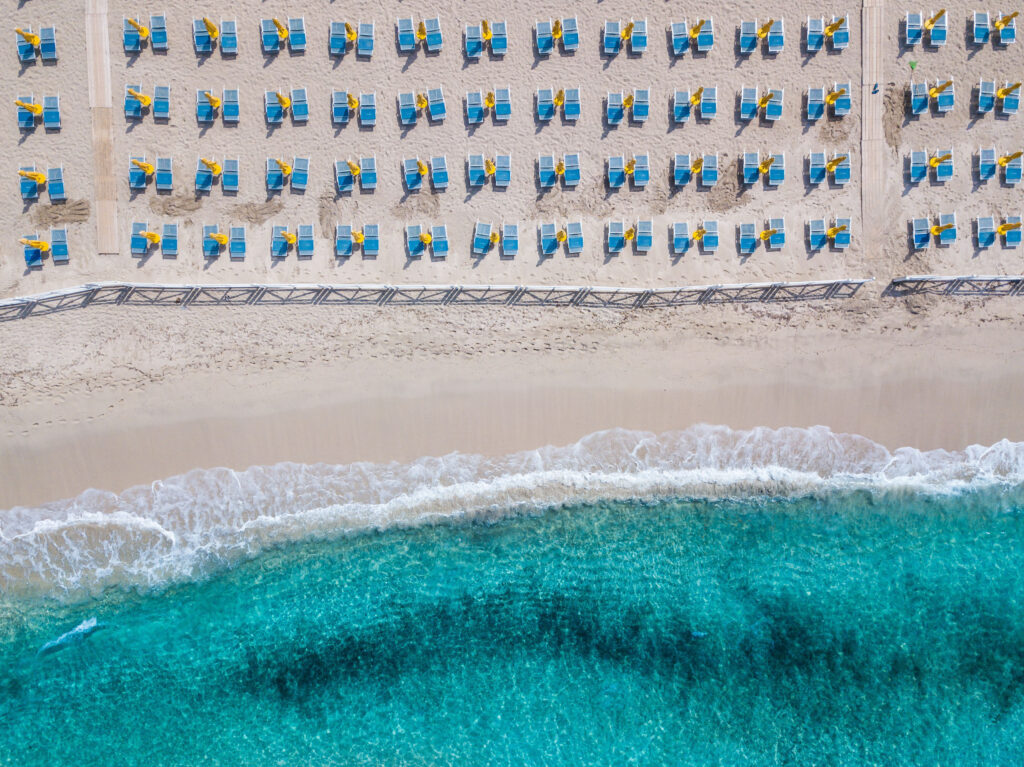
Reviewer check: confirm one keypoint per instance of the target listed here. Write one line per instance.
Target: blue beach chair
(499, 38)
(136, 175)
(204, 177)
(778, 238)
(546, 175)
(749, 167)
(919, 98)
(368, 173)
(748, 37)
(641, 104)
(921, 235)
(913, 29)
(436, 108)
(59, 245)
(1011, 102)
(343, 240)
(229, 176)
(816, 168)
(570, 34)
(231, 109)
(681, 107)
(747, 240)
(773, 111)
(616, 171)
(945, 101)
(439, 172)
(638, 40)
(205, 112)
(986, 232)
(211, 248)
(841, 175)
(918, 171)
(545, 104)
(815, 103)
(706, 36)
(680, 38)
(548, 239)
(339, 108)
(157, 31)
(364, 40)
(574, 237)
(503, 104)
(612, 40)
(709, 170)
(616, 240)
(278, 244)
(164, 174)
(229, 37)
(1012, 171)
(948, 237)
(987, 164)
(201, 39)
(273, 112)
(169, 240)
(841, 38)
(371, 240)
(482, 238)
(407, 108)
(300, 174)
(337, 41)
(132, 106)
(816, 237)
(571, 107)
(815, 40)
(1012, 238)
(414, 246)
(543, 38)
(305, 242)
(1008, 34)
(367, 110)
(709, 103)
(275, 176)
(300, 106)
(644, 236)
(405, 31)
(51, 113)
(411, 170)
(939, 31)
(944, 170)
(130, 38)
(269, 39)
(614, 111)
(710, 242)
(475, 171)
(571, 178)
(236, 243)
(843, 104)
(681, 170)
(509, 240)
(474, 108)
(776, 38)
(162, 102)
(474, 45)
(297, 35)
(502, 170)
(748, 103)
(48, 44)
(439, 245)
(680, 238)
(33, 255)
(777, 171)
(641, 170)
(55, 184)
(138, 244)
(343, 177)
(434, 41)
(986, 96)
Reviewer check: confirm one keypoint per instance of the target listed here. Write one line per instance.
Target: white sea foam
(191, 525)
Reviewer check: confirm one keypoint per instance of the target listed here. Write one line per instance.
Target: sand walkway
(873, 152)
(101, 108)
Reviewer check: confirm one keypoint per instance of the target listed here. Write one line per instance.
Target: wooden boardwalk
(97, 44)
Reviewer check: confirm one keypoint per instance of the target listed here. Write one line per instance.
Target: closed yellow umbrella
(833, 96)
(220, 238)
(835, 230)
(628, 101)
(1000, 23)
(767, 234)
(1008, 158)
(936, 90)
(696, 28)
(422, 168)
(426, 238)
(627, 31)
(630, 166)
(286, 169)
(765, 165)
(152, 237)
(762, 33)
(763, 102)
(141, 97)
(1008, 227)
(495, 237)
(699, 232)
(937, 160)
(34, 175)
(556, 29)
(283, 100)
(561, 235)
(350, 32)
(143, 31)
(560, 168)
(211, 28)
(831, 165)
(353, 168)
(282, 30)
(212, 166)
(485, 30)
(489, 100)
(145, 167)
(629, 234)
(697, 95)
(937, 230)
(30, 37)
(358, 237)
(697, 166)
(289, 237)
(421, 31)
(41, 245)
(1009, 89)
(353, 102)
(832, 28)
(214, 101)
(421, 101)
(36, 109)
(489, 167)
(934, 19)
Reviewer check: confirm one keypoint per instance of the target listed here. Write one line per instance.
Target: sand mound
(177, 205)
(258, 212)
(725, 195)
(71, 212)
(892, 120)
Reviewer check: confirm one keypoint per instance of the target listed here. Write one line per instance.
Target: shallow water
(842, 627)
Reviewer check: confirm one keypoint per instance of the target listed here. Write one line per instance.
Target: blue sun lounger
(841, 175)
(574, 237)
(371, 240)
(201, 37)
(545, 104)
(269, 38)
(499, 38)
(130, 37)
(482, 238)
(841, 38)
(300, 174)
(546, 175)
(571, 107)
(681, 170)
(747, 239)
(945, 101)
(343, 177)
(55, 184)
(918, 171)
(138, 244)
(681, 107)
(368, 173)
(543, 38)
(503, 103)
(748, 37)
(777, 172)
(367, 110)
(169, 240)
(1012, 238)
(842, 239)
(616, 241)
(236, 243)
(680, 38)
(411, 170)
(162, 102)
(132, 106)
(937, 35)
(1011, 102)
(204, 177)
(913, 29)
(986, 96)
(509, 240)
(343, 240)
(709, 170)
(157, 31)
(33, 255)
(776, 38)
(919, 98)
(48, 44)
(641, 104)
(816, 237)
(337, 42)
(778, 239)
(815, 103)
(439, 172)
(436, 108)
(948, 237)
(986, 232)
(502, 171)
(680, 238)
(616, 171)
(434, 41)
(944, 170)
(638, 40)
(475, 172)
(305, 242)
(644, 236)
(571, 178)
(136, 175)
(300, 106)
(815, 40)
(474, 45)
(229, 37)
(27, 51)
(921, 234)
(229, 176)
(614, 111)
(273, 112)
(275, 176)
(1012, 171)
(51, 112)
(773, 111)
(59, 245)
(709, 244)
(474, 108)
(1008, 34)
(211, 248)
(816, 172)
(612, 40)
(405, 32)
(987, 164)
(204, 109)
(706, 36)
(364, 40)
(439, 245)
(641, 170)
(570, 34)
(843, 104)
(709, 103)
(407, 108)
(230, 107)
(748, 103)
(164, 174)
(278, 244)
(548, 239)
(339, 108)
(297, 34)
(750, 170)
(414, 246)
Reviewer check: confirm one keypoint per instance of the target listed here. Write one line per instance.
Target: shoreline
(380, 385)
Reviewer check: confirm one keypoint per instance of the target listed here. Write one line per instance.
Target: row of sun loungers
(46, 50)
(50, 116)
(476, 105)
(944, 231)
(933, 29)
(984, 29)
(59, 253)
(54, 184)
(941, 165)
(987, 231)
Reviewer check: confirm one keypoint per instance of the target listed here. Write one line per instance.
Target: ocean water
(704, 597)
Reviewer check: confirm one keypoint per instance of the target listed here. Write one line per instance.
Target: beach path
(101, 109)
(873, 154)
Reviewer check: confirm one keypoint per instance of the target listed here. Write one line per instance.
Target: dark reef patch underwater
(841, 627)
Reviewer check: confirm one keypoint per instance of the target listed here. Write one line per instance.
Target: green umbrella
(913, 65)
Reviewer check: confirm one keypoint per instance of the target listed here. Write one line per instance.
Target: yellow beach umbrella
(832, 28)
(421, 31)
(350, 32)
(289, 237)
(283, 100)
(220, 238)
(556, 29)
(561, 235)
(934, 19)
(489, 100)
(560, 168)
(212, 166)
(286, 169)
(145, 167)
(34, 175)
(767, 234)
(421, 101)
(211, 28)
(833, 96)
(699, 232)
(834, 163)
(422, 168)
(1008, 90)
(426, 238)
(153, 237)
(697, 96)
(143, 31)
(358, 237)
(353, 168)
(765, 165)
(353, 102)
(627, 31)
(1008, 227)
(696, 28)
(41, 245)
(1008, 158)
(936, 90)
(1000, 23)
(762, 33)
(697, 166)
(282, 30)
(937, 160)
(214, 101)
(485, 30)
(141, 97)
(36, 109)
(630, 166)
(30, 37)
(495, 237)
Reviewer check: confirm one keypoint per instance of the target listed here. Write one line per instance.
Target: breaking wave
(192, 525)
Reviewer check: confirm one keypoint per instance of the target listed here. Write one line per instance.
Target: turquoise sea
(706, 597)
